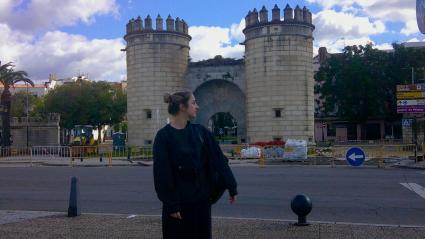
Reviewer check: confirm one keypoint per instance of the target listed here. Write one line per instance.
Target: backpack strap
(199, 133)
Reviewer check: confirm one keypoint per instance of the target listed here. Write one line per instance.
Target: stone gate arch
(215, 96)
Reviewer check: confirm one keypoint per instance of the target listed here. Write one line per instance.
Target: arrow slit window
(148, 113)
(278, 112)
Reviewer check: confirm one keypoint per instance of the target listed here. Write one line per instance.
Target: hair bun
(167, 98)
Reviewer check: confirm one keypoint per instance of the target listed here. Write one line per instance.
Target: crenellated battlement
(301, 16)
(139, 25)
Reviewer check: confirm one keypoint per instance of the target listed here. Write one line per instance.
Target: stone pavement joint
(139, 226)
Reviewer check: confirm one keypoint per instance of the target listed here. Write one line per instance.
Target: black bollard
(74, 208)
(301, 205)
(129, 154)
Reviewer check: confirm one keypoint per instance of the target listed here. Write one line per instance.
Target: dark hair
(175, 100)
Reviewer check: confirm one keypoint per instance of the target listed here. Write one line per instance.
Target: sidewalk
(123, 162)
(92, 162)
(409, 163)
(138, 226)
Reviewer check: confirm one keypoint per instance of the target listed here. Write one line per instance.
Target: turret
(133, 25)
(298, 14)
(179, 25)
(309, 17)
(152, 54)
(288, 13)
(159, 23)
(254, 17)
(148, 23)
(129, 25)
(185, 27)
(264, 15)
(276, 13)
(138, 24)
(288, 81)
(305, 14)
(248, 19)
(170, 23)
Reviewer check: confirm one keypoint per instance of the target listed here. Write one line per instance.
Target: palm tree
(8, 78)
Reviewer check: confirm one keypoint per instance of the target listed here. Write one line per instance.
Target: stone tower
(157, 62)
(279, 74)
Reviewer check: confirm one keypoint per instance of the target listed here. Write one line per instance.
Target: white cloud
(12, 43)
(416, 40)
(410, 28)
(384, 10)
(236, 31)
(64, 54)
(335, 30)
(337, 45)
(29, 39)
(384, 46)
(208, 42)
(49, 14)
(332, 24)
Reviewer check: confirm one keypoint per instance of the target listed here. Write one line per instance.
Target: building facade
(266, 96)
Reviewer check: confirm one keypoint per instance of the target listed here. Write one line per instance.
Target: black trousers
(195, 222)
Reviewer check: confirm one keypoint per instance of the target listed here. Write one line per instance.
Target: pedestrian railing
(75, 153)
(49, 152)
(378, 154)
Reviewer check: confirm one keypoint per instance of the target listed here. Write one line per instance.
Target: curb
(39, 214)
(409, 167)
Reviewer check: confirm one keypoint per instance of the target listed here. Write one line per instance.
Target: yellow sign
(410, 95)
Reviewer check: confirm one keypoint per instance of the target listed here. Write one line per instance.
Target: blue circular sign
(355, 156)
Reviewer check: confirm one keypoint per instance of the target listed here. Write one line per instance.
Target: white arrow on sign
(353, 156)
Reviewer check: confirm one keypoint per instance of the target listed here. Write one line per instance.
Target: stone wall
(41, 132)
(279, 76)
(157, 62)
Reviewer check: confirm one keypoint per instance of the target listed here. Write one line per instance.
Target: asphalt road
(360, 195)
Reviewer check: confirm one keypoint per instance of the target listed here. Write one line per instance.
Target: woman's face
(192, 108)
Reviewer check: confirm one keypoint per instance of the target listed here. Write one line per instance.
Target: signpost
(406, 122)
(355, 156)
(411, 95)
(411, 109)
(411, 101)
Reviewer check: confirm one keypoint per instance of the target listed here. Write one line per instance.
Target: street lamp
(27, 110)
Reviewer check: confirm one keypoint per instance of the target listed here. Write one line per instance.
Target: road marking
(415, 188)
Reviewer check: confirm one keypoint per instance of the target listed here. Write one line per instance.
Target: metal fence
(73, 152)
(336, 152)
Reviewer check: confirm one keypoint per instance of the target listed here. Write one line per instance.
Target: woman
(183, 169)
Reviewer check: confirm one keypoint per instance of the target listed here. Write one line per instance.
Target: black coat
(171, 175)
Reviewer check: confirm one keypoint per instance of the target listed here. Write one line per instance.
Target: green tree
(360, 83)
(83, 102)
(19, 105)
(8, 78)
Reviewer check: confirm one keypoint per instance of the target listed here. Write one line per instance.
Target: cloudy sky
(66, 37)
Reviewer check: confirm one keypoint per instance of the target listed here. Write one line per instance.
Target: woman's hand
(232, 199)
(176, 215)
